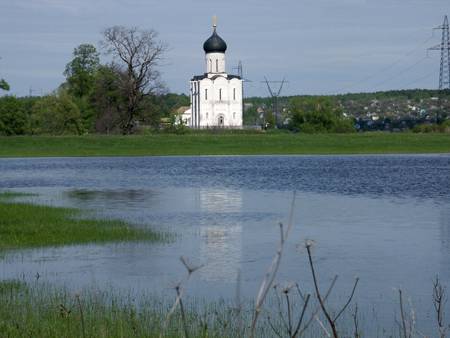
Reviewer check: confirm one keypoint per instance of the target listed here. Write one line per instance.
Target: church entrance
(221, 121)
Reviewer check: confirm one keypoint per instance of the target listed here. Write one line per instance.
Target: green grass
(45, 311)
(6, 195)
(27, 225)
(40, 310)
(224, 143)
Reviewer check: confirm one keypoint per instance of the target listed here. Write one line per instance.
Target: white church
(216, 97)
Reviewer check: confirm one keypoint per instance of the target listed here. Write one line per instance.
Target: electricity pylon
(275, 96)
(444, 47)
(240, 70)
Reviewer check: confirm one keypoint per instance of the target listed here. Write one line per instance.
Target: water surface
(385, 219)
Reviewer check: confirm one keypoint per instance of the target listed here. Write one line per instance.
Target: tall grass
(36, 309)
(41, 310)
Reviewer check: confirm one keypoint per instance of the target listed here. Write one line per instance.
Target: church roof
(215, 44)
(205, 76)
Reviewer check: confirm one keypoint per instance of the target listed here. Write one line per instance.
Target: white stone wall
(215, 63)
(216, 102)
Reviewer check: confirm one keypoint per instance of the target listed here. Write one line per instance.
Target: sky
(318, 46)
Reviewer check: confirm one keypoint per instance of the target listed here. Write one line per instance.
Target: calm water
(385, 219)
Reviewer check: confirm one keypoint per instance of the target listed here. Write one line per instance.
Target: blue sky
(319, 46)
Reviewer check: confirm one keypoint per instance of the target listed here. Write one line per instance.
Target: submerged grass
(5, 195)
(25, 225)
(224, 143)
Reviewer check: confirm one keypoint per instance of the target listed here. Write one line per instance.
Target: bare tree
(138, 53)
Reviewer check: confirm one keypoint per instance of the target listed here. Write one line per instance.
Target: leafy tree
(56, 114)
(155, 107)
(138, 53)
(13, 119)
(80, 72)
(251, 116)
(4, 85)
(318, 115)
(108, 99)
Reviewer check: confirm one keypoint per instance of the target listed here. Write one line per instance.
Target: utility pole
(240, 70)
(275, 96)
(444, 47)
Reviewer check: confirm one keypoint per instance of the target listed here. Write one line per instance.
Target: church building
(216, 97)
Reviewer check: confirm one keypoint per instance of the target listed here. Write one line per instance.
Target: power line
(401, 72)
(419, 79)
(391, 65)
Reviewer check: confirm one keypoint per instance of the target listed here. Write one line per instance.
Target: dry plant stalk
(80, 307)
(331, 320)
(317, 309)
(178, 301)
(407, 326)
(356, 323)
(272, 271)
(238, 304)
(183, 315)
(292, 329)
(439, 300)
(402, 315)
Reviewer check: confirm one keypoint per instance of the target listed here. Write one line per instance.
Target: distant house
(183, 115)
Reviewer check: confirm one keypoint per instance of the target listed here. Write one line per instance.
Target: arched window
(220, 94)
(206, 94)
(221, 121)
(210, 66)
(217, 65)
(234, 115)
(234, 93)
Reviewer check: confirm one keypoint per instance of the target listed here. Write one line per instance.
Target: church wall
(221, 97)
(215, 63)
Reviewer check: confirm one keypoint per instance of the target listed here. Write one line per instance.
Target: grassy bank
(26, 225)
(40, 310)
(36, 309)
(242, 143)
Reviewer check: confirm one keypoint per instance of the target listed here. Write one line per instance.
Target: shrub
(13, 119)
(318, 115)
(56, 114)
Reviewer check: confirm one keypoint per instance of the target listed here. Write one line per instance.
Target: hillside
(398, 109)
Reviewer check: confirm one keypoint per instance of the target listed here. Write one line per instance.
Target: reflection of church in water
(221, 243)
(216, 97)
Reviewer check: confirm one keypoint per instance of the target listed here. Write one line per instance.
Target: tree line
(420, 110)
(114, 97)
(126, 95)
(306, 114)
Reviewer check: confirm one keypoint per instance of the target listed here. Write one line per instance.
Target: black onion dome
(215, 44)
